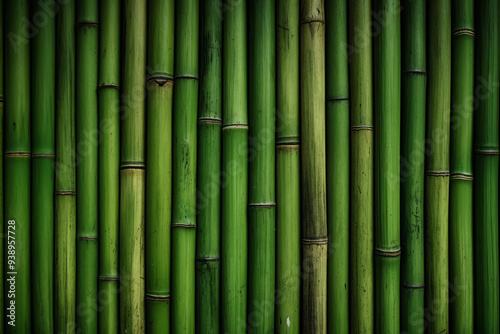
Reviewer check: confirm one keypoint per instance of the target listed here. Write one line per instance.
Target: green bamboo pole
(1, 171)
(234, 245)
(486, 261)
(461, 228)
(65, 191)
(159, 163)
(42, 196)
(209, 167)
(132, 169)
(109, 164)
(184, 168)
(437, 166)
(337, 163)
(17, 169)
(287, 319)
(361, 234)
(387, 98)
(412, 165)
(87, 13)
(261, 166)
(313, 165)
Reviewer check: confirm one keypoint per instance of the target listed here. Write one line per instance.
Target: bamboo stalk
(65, 191)
(17, 168)
(43, 148)
(361, 205)
(486, 164)
(287, 319)
(109, 164)
(87, 13)
(159, 164)
(412, 165)
(461, 228)
(313, 166)
(132, 173)
(208, 172)
(2, 229)
(337, 163)
(437, 166)
(387, 99)
(184, 168)
(261, 166)
(234, 245)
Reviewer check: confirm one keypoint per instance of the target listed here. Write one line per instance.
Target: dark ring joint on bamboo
(488, 152)
(159, 298)
(212, 120)
(438, 173)
(337, 99)
(85, 238)
(43, 155)
(184, 225)
(109, 278)
(160, 78)
(462, 176)
(208, 259)
(186, 76)
(287, 142)
(132, 165)
(89, 24)
(65, 192)
(315, 241)
(114, 86)
(17, 154)
(312, 21)
(418, 72)
(461, 32)
(235, 126)
(413, 286)
(362, 127)
(262, 205)
(388, 253)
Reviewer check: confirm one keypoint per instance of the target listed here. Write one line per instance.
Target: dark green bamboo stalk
(159, 163)
(184, 168)
(209, 167)
(412, 165)
(109, 164)
(461, 228)
(313, 166)
(87, 13)
(1, 171)
(287, 319)
(132, 173)
(43, 147)
(234, 170)
(361, 205)
(17, 167)
(261, 166)
(337, 163)
(486, 261)
(65, 191)
(387, 98)
(438, 166)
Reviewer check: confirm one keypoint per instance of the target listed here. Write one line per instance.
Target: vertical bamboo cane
(87, 137)
(361, 233)
(486, 259)
(387, 98)
(287, 169)
(65, 191)
(337, 162)
(42, 210)
(437, 166)
(2, 252)
(159, 163)
(234, 170)
(412, 165)
(209, 167)
(184, 168)
(132, 173)
(313, 167)
(261, 166)
(109, 164)
(461, 228)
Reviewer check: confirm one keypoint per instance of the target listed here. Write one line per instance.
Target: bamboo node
(312, 21)
(388, 253)
(209, 120)
(337, 99)
(65, 192)
(90, 24)
(286, 141)
(285, 146)
(437, 173)
(235, 126)
(43, 155)
(186, 76)
(262, 205)
(413, 286)
(78, 237)
(109, 278)
(208, 259)
(488, 152)
(462, 176)
(462, 32)
(102, 86)
(362, 127)
(185, 225)
(160, 298)
(315, 241)
(421, 72)
(17, 154)
(160, 79)
(132, 165)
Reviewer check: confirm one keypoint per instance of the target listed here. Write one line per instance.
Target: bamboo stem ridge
(234, 244)
(132, 169)
(438, 166)
(65, 190)
(461, 191)
(412, 164)
(361, 205)
(109, 164)
(159, 163)
(87, 40)
(312, 105)
(184, 167)
(287, 319)
(208, 170)
(337, 162)
(486, 162)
